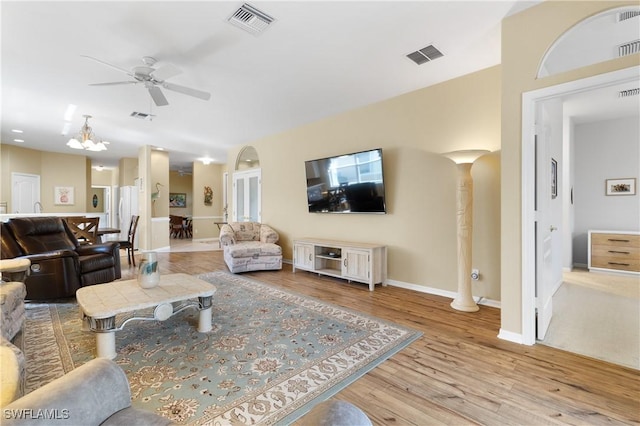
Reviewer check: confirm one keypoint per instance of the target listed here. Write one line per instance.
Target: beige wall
(63, 170)
(525, 39)
(420, 227)
(204, 217)
(55, 169)
(16, 160)
(105, 177)
(128, 171)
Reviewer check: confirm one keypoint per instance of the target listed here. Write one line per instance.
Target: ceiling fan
(152, 79)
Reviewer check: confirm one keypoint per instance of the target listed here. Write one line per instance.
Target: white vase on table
(148, 270)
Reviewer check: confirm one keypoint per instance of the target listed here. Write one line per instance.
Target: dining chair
(128, 244)
(176, 224)
(85, 229)
(188, 227)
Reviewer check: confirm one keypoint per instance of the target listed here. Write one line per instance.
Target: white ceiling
(318, 59)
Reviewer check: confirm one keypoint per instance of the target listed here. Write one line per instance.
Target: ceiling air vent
(623, 16)
(629, 48)
(250, 19)
(425, 54)
(142, 115)
(629, 92)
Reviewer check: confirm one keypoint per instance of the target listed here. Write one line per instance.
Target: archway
(247, 187)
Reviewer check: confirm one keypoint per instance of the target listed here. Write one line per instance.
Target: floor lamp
(464, 211)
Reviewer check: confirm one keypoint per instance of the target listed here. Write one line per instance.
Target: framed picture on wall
(177, 199)
(621, 186)
(554, 178)
(63, 195)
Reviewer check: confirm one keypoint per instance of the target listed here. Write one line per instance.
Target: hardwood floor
(458, 372)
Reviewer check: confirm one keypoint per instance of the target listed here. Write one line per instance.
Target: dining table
(106, 231)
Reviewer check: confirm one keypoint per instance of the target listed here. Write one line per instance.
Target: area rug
(271, 356)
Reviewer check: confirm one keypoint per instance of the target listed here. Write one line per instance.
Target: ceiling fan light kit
(86, 139)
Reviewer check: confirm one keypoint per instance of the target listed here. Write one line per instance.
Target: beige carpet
(597, 315)
(621, 285)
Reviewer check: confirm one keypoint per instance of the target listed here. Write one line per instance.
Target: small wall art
(63, 196)
(625, 186)
(177, 199)
(208, 196)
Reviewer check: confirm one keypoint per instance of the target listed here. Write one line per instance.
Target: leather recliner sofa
(59, 264)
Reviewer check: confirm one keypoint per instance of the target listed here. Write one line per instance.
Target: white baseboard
(511, 336)
(431, 290)
(439, 292)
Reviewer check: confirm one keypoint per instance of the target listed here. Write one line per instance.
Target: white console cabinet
(360, 262)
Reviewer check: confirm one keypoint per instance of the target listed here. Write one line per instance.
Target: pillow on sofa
(246, 231)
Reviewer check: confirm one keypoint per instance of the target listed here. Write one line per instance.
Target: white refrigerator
(128, 206)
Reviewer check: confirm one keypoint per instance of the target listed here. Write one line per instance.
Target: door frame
(108, 206)
(528, 218)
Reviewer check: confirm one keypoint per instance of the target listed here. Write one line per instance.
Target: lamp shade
(466, 156)
(75, 144)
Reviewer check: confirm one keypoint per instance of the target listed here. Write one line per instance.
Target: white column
(464, 212)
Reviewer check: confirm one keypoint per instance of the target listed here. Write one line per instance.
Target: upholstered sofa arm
(96, 393)
(55, 254)
(227, 236)
(268, 235)
(112, 247)
(14, 269)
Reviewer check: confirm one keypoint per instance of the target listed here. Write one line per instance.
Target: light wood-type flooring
(458, 372)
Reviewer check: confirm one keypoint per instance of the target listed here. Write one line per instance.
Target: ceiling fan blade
(115, 83)
(158, 96)
(108, 64)
(165, 72)
(187, 91)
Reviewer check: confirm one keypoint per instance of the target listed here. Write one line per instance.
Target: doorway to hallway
(531, 215)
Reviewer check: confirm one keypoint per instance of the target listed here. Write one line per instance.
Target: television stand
(359, 262)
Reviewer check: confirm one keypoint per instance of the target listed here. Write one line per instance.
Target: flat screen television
(350, 183)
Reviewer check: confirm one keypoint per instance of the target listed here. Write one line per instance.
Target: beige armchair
(250, 246)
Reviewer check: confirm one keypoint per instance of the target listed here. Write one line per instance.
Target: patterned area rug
(270, 357)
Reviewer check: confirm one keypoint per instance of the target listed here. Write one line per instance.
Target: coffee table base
(105, 328)
(106, 344)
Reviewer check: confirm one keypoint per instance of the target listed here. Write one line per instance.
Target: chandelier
(86, 139)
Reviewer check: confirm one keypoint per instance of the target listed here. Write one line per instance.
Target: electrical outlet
(475, 274)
